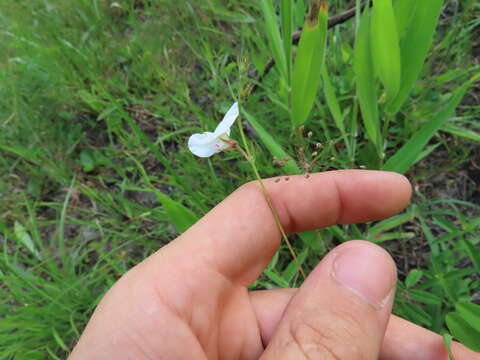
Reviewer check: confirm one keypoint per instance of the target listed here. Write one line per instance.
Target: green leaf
(286, 12)
(276, 279)
(417, 314)
(392, 222)
(385, 46)
(424, 297)
(24, 238)
(273, 36)
(332, 102)
(181, 217)
(415, 46)
(413, 278)
(461, 132)
(406, 156)
(470, 313)
(365, 80)
(461, 327)
(404, 11)
(472, 253)
(292, 268)
(270, 143)
(309, 61)
(87, 160)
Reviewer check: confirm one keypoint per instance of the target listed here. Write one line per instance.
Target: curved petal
(203, 145)
(228, 120)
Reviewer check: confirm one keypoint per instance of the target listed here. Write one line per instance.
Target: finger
(239, 236)
(403, 339)
(342, 309)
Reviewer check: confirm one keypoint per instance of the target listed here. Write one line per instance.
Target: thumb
(342, 310)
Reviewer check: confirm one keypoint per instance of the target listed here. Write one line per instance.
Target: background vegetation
(97, 99)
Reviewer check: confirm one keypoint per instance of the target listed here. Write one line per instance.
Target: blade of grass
(415, 46)
(273, 36)
(385, 46)
(406, 156)
(286, 12)
(334, 107)
(180, 216)
(275, 149)
(309, 61)
(365, 80)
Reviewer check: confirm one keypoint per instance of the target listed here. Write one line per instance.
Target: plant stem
(272, 209)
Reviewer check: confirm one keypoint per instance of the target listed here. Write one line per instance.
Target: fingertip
(366, 269)
(402, 185)
(371, 195)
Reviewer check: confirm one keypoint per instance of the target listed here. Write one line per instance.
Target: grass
(96, 104)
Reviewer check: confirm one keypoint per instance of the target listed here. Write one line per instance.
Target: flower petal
(228, 120)
(205, 145)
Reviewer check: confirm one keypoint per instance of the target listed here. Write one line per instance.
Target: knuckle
(253, 194)
(335, 337)
(312, 342)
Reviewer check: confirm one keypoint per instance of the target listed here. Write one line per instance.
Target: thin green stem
(245, 92)
(272, 209)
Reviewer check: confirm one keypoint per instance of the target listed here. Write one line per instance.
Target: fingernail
(367, 271)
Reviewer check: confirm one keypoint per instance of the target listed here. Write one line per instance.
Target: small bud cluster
(307, 161)
(280, 163)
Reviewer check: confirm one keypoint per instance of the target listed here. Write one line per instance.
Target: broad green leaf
(413, 277)
(181, 217)
(404, 11)
(299, 13)
(309, 61)
(24, 238)
(415, 46)
(405, 157)
(471, 313)
(462, 330)
(385, 46)
(273, 36)
(365, 80)
(272, 146)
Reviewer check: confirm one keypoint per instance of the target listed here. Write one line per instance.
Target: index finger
(239, 236)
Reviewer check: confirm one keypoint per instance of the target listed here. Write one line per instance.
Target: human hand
(189, 300)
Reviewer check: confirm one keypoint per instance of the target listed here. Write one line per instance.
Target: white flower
(208, 143)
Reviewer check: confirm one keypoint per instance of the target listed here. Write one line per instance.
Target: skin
(189, 300)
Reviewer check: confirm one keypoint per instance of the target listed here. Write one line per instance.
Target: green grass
(96, 105)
